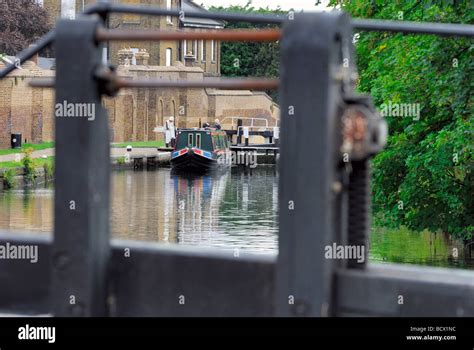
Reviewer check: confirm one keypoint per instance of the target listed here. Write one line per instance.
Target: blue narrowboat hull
(191, 161)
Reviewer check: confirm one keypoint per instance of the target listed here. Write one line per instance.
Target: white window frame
(169, 20)
(134, 60)
(190, 139)
(68, 9)
(198, 140)
(169, 62)
(213, 49)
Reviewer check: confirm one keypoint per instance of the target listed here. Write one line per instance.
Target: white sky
(284, 4)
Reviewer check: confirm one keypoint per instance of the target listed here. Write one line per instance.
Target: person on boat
(217, 124)
(206, 125)
(170, 132)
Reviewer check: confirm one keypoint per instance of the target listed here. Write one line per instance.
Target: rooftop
(188, 5)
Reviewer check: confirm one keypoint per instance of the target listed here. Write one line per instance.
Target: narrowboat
(200, 150)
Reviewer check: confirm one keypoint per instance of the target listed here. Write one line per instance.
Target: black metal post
(239, 131)
(81, 227)
(309, 208)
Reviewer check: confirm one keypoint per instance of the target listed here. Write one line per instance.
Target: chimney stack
(142, 57)
(125, 57)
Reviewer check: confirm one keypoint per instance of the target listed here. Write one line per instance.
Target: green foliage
(140, 144)
(424, 178)
(48, 170)
(35, 146)
(28, 166)
(21, 23)
(9, 178)
(37, 162)
(121, 160)
(402, 245)
(249, 59)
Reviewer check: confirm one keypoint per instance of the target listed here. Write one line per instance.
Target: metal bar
(216, 83)
(29, 52)
(444, 29)
(308, 212)
(42, 83)
(47, 40)
(156, 11)
(81, 205)
(223, 34)
(405, 290)
(239, 131)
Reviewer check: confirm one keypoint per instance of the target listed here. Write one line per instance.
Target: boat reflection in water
(227, 210)
(231, 210)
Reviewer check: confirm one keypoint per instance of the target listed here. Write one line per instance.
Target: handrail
(252, 122)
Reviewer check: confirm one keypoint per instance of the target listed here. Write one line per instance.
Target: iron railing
(322, 201)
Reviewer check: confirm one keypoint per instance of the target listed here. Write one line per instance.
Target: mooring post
(81, 224)
(239, 131)
(312, 54)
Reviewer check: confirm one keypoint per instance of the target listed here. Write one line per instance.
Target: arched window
(173, 110)
(161, 113)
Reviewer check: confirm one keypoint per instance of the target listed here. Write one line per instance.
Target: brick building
(135, 113)
(203, 53)
(25, 110)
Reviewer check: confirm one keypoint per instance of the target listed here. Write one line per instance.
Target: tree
(250, 59)
(424, 179)
(21, 23)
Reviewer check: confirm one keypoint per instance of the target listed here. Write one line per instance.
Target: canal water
(235, 210)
